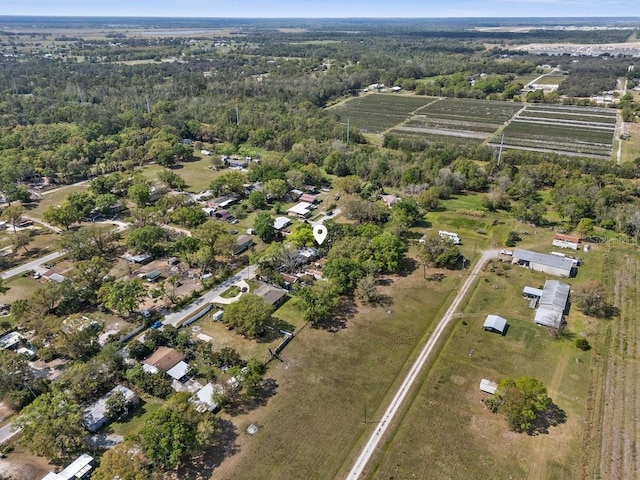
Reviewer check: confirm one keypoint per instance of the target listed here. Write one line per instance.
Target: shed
(541, 262)
(488, 386)
(179, 370)
(153, 275)
(79, 469)
(390, 200)
(141, 258)
(530, 292)
(495, 323)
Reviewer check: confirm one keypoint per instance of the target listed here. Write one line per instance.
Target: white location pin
(320, 233)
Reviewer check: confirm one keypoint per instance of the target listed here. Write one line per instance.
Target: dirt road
(415, 371)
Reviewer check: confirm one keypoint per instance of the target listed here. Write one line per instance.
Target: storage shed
(488, 386)
(495, 323)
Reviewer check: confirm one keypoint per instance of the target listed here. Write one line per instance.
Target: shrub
(583, 344)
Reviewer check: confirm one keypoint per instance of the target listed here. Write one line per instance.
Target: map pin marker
(320, 233)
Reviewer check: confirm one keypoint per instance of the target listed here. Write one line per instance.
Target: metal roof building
(488, 386)
(179, 370)
(495, 323)
(79, 469)
(97, 414)
(553, 304)
(541, 262)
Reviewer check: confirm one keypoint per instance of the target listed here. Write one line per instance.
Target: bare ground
(24, 467)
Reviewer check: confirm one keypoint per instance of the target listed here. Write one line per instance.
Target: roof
(566, 238)
(301, 208)
(549, 317)
(244, 240)
(204, 397)
(308, 198)
(280, 222)
(555, 294)
(76, 469)
(140, 258)
(543, 259)
(533, 292)
(153, 275)
(96, 412)
(495, 322)
(390, 199)
(269, 294)
(488, 386)
(179, 370)
(10, 340)
(164, 358)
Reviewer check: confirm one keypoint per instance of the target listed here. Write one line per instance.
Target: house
(203, 399)
(289, 280)
(224, 201)
(300, 210)
(225, 216)
(153, 275)
(96, 415)
(237, 162)
(540, 262)
(306, 255)
(163, 359)
(55, 274)
(450, 236)
(179, 371)
(390, 200)
(271, 295)
(553, 304)
(308, 198)
(295, 194)
(281, 222)
(11, 341)
(495, 323)
(566, 241)
(243, 242)
(488, 386)
(141, 258)
(79, 469)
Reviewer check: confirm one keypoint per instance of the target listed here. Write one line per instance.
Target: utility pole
(237, 116)
(348, 128)
(146, 98)
(500, 152)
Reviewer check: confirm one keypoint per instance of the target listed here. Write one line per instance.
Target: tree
(349, 184)
(83, 202)
(176, 431)
(89, 275)
(388, 252)
(521, 401)
(21, 240)
(438, 252)
(591, 298)
(13, 214)
(146, 239)
(63, 215)
(228, 182)
(51, 425)
(302, 235)
(105, 202)
(248, 315)
(125, 461)
(263, 225)
(90, 241)
(172, 179)
(366, 289)
(344, 272)
(274, 188)
(140, 194)
(116, 405)
(18, 384)
(3, 286)
(585, 227)
(318, 301)
(122, 296)
(256, 200)
(189, 216)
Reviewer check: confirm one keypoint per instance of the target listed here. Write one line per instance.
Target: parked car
(156, 325)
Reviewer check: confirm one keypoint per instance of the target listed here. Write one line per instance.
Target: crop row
(425, 122)
(577, 117)
(559, 133)
(588, 149)
(434, 137)
(471, 110)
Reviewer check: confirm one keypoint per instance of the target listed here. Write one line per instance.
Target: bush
(583, 344)
(512, 239)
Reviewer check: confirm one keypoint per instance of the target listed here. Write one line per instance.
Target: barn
(495, 323)
(553, 304)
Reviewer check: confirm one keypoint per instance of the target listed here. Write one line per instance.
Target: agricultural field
(567, 130)
(377, 112)
(447, 411)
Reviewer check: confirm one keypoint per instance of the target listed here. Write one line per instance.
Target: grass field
(54, 198)
(325, 380)
(195, 173)
(550, 80)
(447, 432)
(631, 147)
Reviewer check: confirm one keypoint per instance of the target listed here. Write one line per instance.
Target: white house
(79, 469)
(566, 241)
(301, 210)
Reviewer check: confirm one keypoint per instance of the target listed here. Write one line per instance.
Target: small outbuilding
(495, 323)
(488, 386)
(243, 242)
(566, 241)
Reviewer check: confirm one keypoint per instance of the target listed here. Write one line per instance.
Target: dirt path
(620, 434)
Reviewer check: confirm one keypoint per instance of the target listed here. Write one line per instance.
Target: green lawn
(54, 198)
(136, 420)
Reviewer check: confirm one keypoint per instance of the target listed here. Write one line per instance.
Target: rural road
(6, 433)
(31, 265)
(414, 372)
(176, 317)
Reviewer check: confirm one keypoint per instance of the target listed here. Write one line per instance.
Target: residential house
(237, 162)
(224, 201)
(96, 415)
(281, 222)
(390, 200)
(243, 242)
(141, 258)
(179, 371)
(79, 469)
(308, 198)
(566, 241)
(540, 262)
(295, 194)
(300, 210)
(552, 304)
(162, 360)
(496, 324)
(271, 295)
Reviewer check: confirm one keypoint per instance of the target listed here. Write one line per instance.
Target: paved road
(177, 317)
(33, 265)
(414, 372)
(6, 433)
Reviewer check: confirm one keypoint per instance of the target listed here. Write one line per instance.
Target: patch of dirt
(458, 380)
(24, 467)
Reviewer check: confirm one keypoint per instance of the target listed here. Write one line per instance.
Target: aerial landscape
(333, 241)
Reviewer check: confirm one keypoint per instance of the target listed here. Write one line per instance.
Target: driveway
(6, 433)
(209, 297)
(323, 219)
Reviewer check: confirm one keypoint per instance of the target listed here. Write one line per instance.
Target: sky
(324, 8)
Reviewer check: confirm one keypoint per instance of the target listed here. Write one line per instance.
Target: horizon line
(626, 17)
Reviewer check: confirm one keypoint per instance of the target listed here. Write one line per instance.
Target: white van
(217, 316)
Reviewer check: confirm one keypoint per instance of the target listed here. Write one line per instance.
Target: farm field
(550, 80)
(569, 130)
(447, 413)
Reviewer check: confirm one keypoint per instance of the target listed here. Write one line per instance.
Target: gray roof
(495, 322)
(554, 261)
(549, 317)
(96, 413)
(536, 292)
(269, 294)
(179, 370)
(555, 295)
